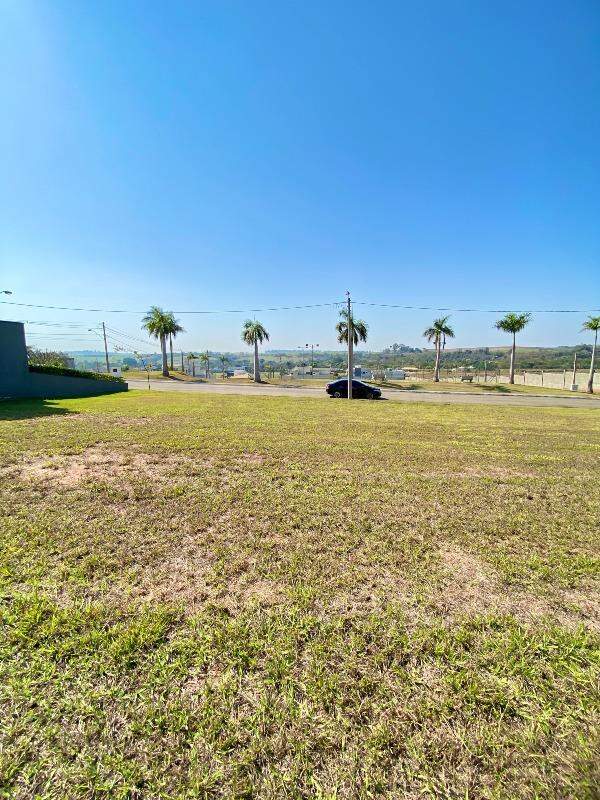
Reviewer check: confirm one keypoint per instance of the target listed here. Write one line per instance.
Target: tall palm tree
(158, 323)
(513, 323)
(192, 357)
(592, 324)
(224, 363)
(174, 329)
(253, 334)
(205, 359)
(360, 329)
(437, 333)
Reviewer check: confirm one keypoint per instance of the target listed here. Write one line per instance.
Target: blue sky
(210, 155)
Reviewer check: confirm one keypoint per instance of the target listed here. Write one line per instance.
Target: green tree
(437, 333)
(205, 359)
(224, 364)
(159, 324)
(360, 329)
(191, 357)
(592, 324)
(47, 358)
(513, 324)
(174, 329)
(253, 334)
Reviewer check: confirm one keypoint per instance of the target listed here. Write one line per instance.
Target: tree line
(163, 326)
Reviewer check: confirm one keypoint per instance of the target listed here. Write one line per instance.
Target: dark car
(360, 390)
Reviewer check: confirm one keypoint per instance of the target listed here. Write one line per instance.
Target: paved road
(400, 396)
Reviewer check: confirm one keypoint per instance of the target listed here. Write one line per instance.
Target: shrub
(74, 373)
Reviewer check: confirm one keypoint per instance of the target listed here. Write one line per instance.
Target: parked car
(360, 390)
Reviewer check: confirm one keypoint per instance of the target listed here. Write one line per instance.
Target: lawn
(249, 597)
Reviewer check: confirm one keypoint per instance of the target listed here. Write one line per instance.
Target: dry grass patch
(103, 463)
(472, 587)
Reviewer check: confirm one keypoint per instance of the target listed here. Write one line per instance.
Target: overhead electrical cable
(309, 306)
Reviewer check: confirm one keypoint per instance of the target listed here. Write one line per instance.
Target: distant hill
(548, 358)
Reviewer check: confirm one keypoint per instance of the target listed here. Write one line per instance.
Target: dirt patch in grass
(470, 586)
(251, 458)
(188, 580)
(100, 463)
(487, 471)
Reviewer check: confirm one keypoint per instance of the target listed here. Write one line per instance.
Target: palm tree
(513, 323)
(360, 329)
(592, 324)
(253, 333)
(437, 334)
(192, 357)
(205, 359)
(224, 362)
(174, 329)
(158, 323)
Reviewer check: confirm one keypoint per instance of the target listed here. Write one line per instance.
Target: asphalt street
(397, 396)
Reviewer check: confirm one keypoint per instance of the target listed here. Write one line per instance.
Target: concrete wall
(17, 381)
(551, 380)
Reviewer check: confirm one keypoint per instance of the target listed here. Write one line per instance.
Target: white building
(307, 372)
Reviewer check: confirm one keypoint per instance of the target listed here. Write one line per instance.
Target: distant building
(307, 372)
(395, 374)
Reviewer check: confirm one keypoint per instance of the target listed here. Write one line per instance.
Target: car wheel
(371, 396)
(337, 394)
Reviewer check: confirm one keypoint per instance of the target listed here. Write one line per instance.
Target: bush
(47, 358)
(74, 373)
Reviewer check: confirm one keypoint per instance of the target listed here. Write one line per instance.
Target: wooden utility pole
(182, 369)
(105, 348)
(350, 347)
(574, 372)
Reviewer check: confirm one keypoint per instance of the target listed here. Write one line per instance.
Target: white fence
(554, 379)
(550, 380)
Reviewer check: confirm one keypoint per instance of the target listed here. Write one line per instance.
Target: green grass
(247, 597)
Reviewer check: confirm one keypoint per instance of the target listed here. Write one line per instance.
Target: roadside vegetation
(221, 596)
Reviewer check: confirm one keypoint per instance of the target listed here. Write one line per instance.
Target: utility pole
(182, 369)
(312, 356)
(574, 373)
(105, 349)
(350, 346)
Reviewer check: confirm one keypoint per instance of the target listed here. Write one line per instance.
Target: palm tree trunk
(165, 363)
(511, 373)
(171, 348)
(590, 383)
(256, 364)
(436, 372)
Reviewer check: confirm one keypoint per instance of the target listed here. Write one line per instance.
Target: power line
(128, 336)
(307, 306)
(478, 310)
(44, 323)
(214, 311)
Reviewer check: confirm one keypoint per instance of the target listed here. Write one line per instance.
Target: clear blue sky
(212, 155)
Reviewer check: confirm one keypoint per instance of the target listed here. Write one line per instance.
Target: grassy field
(232, 597)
